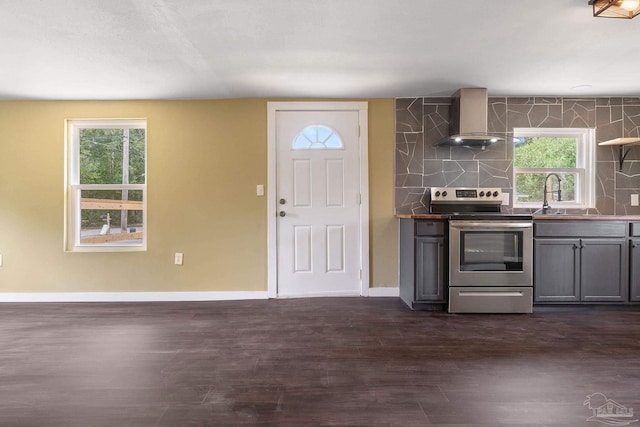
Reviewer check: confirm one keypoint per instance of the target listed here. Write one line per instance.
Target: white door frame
(272, 244)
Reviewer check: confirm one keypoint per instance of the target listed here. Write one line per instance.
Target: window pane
(530, 187)
(111, 217)
(103, 152)
(545, 152)
(317, 137)
(137, 156)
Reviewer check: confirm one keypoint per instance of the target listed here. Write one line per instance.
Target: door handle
(283, 201)
(283, 213)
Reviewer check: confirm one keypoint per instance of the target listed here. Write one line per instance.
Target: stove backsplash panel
(422, 121)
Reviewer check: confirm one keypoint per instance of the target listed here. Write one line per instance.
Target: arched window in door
(317, 137)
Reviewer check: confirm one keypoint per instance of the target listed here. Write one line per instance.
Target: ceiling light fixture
(625, 9)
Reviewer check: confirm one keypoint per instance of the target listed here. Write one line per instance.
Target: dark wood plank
(296, 362)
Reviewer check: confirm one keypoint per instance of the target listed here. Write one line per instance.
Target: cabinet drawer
(429, 228)
(490, 300)
(589, 228)
(634, 229)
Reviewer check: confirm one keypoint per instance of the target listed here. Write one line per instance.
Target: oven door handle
(487, 224)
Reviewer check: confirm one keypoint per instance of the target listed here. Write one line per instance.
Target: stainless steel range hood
(468, 120)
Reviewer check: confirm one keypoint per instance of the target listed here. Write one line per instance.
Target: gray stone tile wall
(422, 121)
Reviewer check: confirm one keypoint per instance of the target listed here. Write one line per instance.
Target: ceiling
(181, 49)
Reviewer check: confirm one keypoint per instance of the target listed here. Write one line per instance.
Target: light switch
(0, 260)
(259, 190)
(505, 199)
(634, 200)
(178, 258)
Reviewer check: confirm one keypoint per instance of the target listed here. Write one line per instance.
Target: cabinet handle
(575, 246)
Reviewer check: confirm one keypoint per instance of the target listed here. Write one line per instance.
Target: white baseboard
(163, 296)
(128, 296)
(321, 295)
(384, 292)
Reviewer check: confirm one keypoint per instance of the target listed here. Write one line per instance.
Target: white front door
(318, 203)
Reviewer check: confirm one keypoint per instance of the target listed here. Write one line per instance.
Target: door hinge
(359, 198)
(360, 274)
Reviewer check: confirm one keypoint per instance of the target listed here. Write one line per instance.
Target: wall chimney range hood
(468, 120)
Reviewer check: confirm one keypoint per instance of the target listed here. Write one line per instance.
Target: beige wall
(204, 161)
(384, 226)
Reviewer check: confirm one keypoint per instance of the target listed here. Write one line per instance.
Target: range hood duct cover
(468, 120)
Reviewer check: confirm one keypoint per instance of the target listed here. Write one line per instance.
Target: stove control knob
(437, 194)
(444, 194)
(488, 193)
(495, 194)
(481, 193)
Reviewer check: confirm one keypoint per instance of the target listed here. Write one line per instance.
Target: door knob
(283, 213)
(283, 201)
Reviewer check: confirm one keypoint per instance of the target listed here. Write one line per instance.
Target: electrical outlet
(178, 258)
(634, 200)
(259, 190)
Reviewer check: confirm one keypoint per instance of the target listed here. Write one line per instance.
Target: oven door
(490, 253)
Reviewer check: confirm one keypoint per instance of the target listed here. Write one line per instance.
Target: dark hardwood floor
(336, 361)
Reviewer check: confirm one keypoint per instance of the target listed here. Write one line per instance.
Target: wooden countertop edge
(588, 217)
(421, 216)
(538, 217)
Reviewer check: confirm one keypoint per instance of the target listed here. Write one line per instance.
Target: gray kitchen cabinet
(423, 263)
(634, 261)
(603, 269)
(580, 262)
(634, 271)
(430, 263)
(556, 270)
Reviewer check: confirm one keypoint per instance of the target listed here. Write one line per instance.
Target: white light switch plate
(634, 200)
(259, 190)
(0, 260)
(178, 258)
(505, 199)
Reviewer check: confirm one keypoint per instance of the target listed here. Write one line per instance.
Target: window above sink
(568, 152)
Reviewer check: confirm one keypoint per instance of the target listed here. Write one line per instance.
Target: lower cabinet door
(430, 269)
(604, 270)
(634, 271)
(556, 274)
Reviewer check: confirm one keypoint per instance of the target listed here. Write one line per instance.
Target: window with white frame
(568, 152)
(106, 175)
(317, 137)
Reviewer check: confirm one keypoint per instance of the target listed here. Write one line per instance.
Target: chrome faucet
(545, 203)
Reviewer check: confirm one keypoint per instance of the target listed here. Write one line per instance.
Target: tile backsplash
(422, 121)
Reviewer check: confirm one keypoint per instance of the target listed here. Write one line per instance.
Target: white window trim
(72, 186)
(585, 165)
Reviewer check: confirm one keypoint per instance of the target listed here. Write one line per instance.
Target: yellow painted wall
(205, 158)
(383, 225)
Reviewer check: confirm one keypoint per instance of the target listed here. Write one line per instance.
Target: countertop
(588, 217)
(421, 216)
(538, 217)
